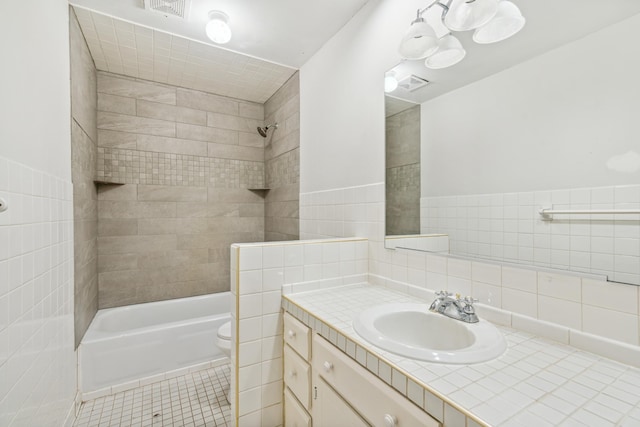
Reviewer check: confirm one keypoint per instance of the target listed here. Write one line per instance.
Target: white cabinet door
(330, 410)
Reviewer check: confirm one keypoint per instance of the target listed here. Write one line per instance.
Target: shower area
(173, 160)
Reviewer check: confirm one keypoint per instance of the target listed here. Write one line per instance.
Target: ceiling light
(494, 20)
(467, 15)
(390, 82)
(507, 21)
(450, 52)
(419, 41)
(217, 28)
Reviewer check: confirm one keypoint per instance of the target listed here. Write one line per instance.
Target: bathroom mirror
(546, 119)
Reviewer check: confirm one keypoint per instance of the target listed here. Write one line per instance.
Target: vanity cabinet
(326, 388)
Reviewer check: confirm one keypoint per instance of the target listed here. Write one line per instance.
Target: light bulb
(390, 82)
(217, 28)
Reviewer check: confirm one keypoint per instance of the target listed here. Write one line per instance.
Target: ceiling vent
(174, 8)
(412, 83)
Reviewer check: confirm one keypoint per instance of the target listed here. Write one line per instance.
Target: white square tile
(614, 296)
(521, 302)
(611, 324)
(271, 302)
(560, 311)
(293, 275)
(250, 305)
(559, 286)
(293, 255)
(250, 257)
(486, 273)
(272, 279)
(250, 282)
(312, 253)
(272, 256)
(519, 279)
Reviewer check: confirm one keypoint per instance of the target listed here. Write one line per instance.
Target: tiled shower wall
(282, 163)
(37, 358)
(186, 160)
(84, 137)
(402, 162)
(508, 227)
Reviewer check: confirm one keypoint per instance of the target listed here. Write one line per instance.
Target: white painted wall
(35, 105)
(552, 122)
(342, 101)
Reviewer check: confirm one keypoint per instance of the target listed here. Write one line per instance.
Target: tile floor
(195, 400)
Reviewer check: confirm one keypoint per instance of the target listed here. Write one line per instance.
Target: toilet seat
(224, 331)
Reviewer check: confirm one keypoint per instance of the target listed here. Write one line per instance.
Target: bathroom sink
(412, 331)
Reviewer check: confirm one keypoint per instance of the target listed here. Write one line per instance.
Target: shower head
(263, 131)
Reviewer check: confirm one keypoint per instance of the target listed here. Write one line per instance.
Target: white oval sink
(412, 331)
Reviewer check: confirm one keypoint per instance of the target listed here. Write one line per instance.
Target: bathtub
(127, 344)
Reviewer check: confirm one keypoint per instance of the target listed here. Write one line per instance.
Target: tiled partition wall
(282, 163)
(84, 146)
(37, 358)
(578, 308)
(261, 270)
(508, 227)
(187, 160)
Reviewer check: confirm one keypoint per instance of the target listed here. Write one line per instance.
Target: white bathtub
(126, 344)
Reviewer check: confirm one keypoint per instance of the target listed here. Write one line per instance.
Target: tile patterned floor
(192, 400)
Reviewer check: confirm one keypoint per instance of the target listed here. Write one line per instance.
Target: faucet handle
(443, 294)
(470, 300)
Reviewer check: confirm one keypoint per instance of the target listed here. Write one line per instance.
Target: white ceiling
(550, 24)
(271, 40)
(287, 32)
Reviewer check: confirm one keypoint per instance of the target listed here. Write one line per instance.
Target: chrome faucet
(456, 308)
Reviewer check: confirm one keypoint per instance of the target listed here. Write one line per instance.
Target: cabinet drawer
(297, 335)
(297, 375)
(350, 379)
(294, 415)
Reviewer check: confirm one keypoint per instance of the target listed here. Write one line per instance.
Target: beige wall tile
(204, 210)
(233, 195)
(206, 101)
(251, 110)
(118, 192)
(117, 85)
(117, 262)
(225, 151)
(225, 121)
(155, 260)
(130, 209)
(122, 122)
(117, 227)
(251, 139)
(207, 134)
(83, 80)
(116, 104)
(166, 193)
(284, 193)
(173, 113)
(116, 139)
(278, 148)
(171, 145)
(157, 226)
(135, 244)
(252, 209)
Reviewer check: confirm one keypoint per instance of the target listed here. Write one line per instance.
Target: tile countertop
(536, 382)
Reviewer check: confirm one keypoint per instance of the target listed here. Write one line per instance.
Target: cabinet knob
(328, 366)
(292, 374)
(291, 334)
(390, 420)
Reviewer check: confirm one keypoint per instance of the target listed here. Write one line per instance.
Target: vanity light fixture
(492, 20)
(217, 28)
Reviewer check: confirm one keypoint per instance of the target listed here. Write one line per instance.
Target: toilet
(224, 343)
(224, 338)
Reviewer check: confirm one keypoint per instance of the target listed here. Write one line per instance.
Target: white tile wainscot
(536, 382)
(259, 272)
